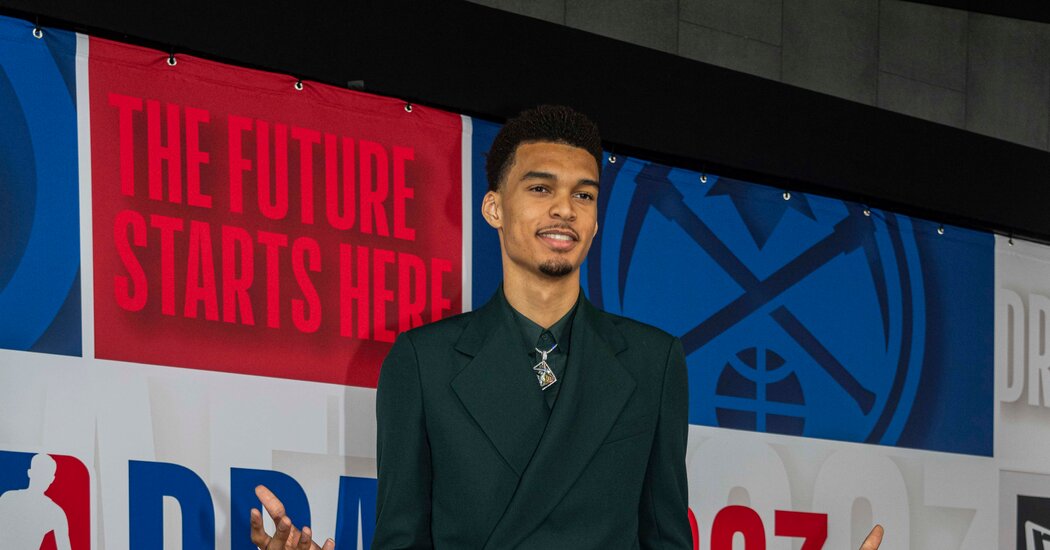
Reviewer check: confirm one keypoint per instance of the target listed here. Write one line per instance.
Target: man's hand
(287, 537)
(874, 539)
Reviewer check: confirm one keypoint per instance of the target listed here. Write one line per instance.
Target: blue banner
(800, 315)
(40, 228)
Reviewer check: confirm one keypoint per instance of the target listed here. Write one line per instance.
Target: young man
(537, 420)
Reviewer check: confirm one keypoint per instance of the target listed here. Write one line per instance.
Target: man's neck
(543, 300)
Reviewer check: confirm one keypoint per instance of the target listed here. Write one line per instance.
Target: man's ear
(492, 210)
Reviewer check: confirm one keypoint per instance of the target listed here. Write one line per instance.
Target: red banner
(245, 223)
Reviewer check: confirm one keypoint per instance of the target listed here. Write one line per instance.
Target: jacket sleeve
(663, 519)
(402, 454)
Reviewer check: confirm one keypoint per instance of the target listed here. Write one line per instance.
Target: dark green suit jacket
(468, 458)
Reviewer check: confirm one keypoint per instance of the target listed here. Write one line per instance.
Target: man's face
(546, 210)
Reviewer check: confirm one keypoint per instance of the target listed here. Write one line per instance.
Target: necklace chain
(543, 354)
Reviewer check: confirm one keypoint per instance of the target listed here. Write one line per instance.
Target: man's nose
(562, 207)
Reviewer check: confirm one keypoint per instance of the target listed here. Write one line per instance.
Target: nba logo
(44, 502)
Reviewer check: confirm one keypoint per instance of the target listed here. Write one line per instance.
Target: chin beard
(554, 268)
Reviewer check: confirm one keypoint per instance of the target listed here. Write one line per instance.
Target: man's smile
(560, 239)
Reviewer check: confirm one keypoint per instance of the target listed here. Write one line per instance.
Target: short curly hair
(554, 123)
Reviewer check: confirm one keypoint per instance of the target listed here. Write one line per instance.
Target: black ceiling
(489, 63)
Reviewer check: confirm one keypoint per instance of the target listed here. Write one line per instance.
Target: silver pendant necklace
(544, 374)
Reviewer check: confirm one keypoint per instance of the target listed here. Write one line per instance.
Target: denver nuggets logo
(799, 314)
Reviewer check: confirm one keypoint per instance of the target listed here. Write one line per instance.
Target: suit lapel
(497, 387)
(596, 389)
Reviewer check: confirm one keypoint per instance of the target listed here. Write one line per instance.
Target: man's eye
(538, 189)
(585, 196)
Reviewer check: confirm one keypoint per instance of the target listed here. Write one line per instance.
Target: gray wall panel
(922, 100)
(1008, 90)
(830, 46)
(755, 19)
(923, 43)
(729, 50)
(650, 23)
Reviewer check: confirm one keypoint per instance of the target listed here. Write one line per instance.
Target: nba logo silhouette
(44, 502)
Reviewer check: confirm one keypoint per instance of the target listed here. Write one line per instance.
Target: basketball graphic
(752, 380)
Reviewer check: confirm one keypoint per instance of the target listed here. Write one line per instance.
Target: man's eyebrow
(535, 174)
